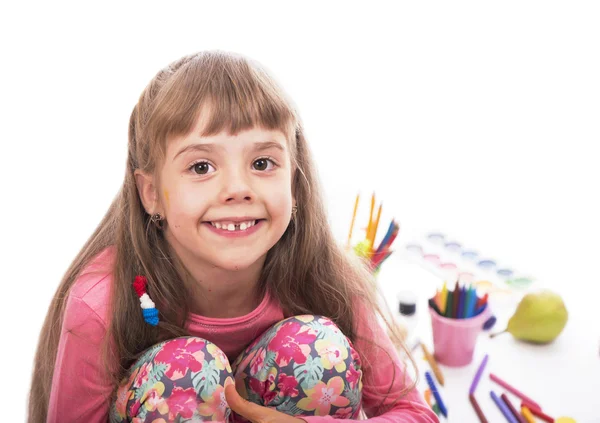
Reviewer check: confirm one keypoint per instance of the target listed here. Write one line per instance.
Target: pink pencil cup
(454, 339)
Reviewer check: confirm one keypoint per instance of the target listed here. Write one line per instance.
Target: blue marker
(436, 394)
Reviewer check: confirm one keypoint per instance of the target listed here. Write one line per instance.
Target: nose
(236, 188)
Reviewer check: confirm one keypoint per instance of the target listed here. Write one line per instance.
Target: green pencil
(449, 304)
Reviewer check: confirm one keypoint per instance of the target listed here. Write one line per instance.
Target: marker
(436, 394)
(507, 414)
(478, 375)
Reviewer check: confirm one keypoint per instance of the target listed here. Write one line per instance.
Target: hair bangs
(226, 93)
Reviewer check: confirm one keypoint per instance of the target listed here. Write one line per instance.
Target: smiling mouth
(233, 227)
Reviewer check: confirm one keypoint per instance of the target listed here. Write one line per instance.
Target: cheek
(185, 204)
(279, 201)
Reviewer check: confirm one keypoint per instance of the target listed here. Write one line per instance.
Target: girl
(213, 288)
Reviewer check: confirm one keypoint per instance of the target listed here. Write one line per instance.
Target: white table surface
(563, 376)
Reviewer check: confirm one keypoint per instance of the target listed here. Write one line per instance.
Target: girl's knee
(325, 337)
(189, 367)
(297, 360)
(187, 352)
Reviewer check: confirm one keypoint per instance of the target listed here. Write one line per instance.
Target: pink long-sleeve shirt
(80, 392)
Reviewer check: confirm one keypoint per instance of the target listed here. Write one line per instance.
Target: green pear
(540, 317)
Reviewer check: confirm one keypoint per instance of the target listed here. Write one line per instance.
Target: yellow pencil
(436, 370)
(443, 298)
(374, 231)
(527, 414)
(353, 218)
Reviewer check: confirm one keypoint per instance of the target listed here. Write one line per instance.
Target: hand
(254, 412)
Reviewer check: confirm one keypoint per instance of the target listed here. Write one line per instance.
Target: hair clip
(148, 308)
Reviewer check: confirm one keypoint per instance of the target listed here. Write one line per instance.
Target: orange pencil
(370, 226)
(353, 218)
(527, 414)
(427, 395)
(436, 370)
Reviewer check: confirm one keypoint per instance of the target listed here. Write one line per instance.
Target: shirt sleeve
(384, 380)
(80, 387)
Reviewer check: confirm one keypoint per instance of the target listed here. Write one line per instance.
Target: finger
(252, 412)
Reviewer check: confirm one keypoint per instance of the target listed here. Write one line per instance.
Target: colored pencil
(394, 234)
(461, 303)
(353, 218)
(513, 390)
(539, 413)
(436, 370)
(481, 301)
(377, 263)
(436, 394)
(449, 305)
(512, 408)
(530, 406)
(503, 408)
(472, 301)
(444, 298)
(477, 409)
(436, 299)
(435, 307)
(465, 313)
(387, 236)
(427, 395)
(375, 226)
(455, 302)
(478, 375)
(527, 414)
(370, 225)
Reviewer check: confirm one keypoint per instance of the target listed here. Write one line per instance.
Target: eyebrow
(209, 148)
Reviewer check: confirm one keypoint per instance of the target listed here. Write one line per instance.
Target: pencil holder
(454, 339)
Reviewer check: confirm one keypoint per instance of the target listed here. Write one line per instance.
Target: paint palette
(450, 260)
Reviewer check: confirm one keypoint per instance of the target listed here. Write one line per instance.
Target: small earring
(294, 211)
(157, 219)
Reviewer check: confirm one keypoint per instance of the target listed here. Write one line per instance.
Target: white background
(476, 118)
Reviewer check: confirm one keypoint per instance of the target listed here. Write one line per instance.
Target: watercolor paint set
(452, 261)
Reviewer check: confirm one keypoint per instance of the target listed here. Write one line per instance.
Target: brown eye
(201, 168)
(263, 164)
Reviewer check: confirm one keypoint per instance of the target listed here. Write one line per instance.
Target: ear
(147, 191)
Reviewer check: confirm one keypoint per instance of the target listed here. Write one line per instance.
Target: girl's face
(227, 199)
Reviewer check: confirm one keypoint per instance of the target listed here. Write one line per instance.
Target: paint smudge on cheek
(166, 193)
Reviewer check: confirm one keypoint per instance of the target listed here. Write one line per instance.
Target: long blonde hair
(306, 270)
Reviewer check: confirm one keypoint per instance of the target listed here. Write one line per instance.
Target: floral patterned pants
(303, 365)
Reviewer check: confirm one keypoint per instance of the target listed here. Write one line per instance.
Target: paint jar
(407, 313)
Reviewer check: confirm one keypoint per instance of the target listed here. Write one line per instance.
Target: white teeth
(232, 226)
